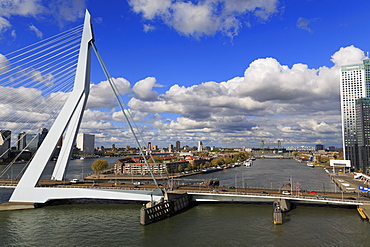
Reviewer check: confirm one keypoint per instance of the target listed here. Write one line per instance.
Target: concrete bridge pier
(280, 207)
(171, 204)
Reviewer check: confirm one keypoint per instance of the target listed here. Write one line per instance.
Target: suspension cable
(116, 93)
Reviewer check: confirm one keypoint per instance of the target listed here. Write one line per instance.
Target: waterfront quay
(346, 182)
(109, 175)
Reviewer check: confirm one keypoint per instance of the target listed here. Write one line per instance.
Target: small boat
(248, 163)
(89, 157)
(310, 164)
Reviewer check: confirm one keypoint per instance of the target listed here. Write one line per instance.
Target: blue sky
(229, 73)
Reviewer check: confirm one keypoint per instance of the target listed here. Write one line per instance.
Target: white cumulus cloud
(203, 18)
(59, 11)
(296, 104)
(143, 89)
(101, 94)
(271, 101)
(347, 56)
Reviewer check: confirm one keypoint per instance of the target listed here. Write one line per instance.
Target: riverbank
(137, 177)
(110, 175)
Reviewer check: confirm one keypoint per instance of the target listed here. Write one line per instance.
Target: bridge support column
(280, 207)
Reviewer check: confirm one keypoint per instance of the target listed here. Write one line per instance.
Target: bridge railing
(294, 197)
(97, 187)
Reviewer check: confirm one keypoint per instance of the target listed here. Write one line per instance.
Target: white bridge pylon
(69, 120)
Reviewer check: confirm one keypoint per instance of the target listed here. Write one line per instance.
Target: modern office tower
(178, 145)
(170, 148)
(319, 147)
(200, 146)
(42, 134)
(363, 132)
(32, 142)
(355, 84)
(5, 136)
(86, 143)
(21, 141)
(28, 142)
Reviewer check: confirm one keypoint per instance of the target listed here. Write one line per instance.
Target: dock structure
(7, 206)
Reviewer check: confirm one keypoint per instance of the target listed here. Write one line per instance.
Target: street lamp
(291, 185)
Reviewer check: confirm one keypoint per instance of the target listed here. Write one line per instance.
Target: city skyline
(229, 77)
(21, 141)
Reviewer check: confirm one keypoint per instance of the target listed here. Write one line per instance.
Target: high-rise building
(5, 136)
(355, 84)
(170, 148)
(42, 134)
(178, 145)
(21, 141)
(32, 142)
(86, 143)
(319, 147)
(363, 132)
(28, 142)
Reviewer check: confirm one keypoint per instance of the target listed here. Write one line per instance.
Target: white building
(353, 80)
(200, 146)
(86, 143)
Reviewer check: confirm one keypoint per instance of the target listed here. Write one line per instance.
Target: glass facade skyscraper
(363, 132)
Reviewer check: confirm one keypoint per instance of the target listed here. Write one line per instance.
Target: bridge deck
(205, 194)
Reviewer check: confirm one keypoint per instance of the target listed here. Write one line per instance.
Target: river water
(203, 225)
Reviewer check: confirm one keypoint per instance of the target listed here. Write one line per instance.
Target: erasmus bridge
(51, 62)
(38, 66)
